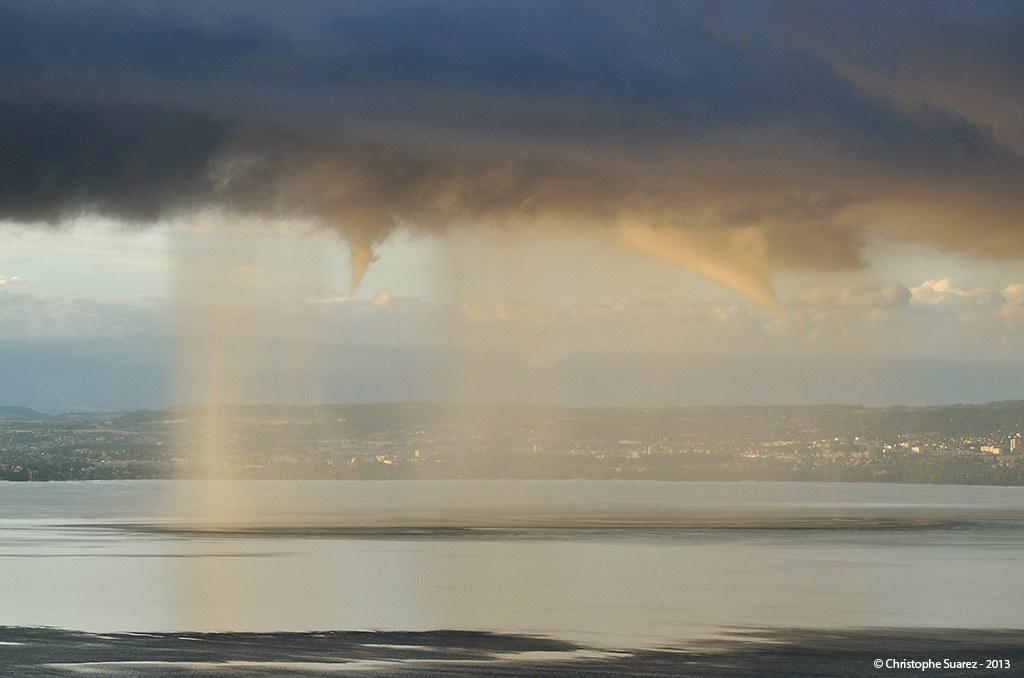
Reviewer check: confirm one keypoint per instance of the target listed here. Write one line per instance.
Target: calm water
(604, 563)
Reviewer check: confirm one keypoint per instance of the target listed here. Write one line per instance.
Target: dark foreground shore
(37, 652)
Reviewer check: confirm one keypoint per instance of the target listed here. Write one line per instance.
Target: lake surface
(603, 563)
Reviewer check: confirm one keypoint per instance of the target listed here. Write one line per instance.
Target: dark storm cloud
(964, 56)
(731, 138)
(130, 161)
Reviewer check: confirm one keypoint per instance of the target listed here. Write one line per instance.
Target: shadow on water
(588, 523)
(33, 652)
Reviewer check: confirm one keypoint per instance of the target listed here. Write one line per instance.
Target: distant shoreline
(947, 445)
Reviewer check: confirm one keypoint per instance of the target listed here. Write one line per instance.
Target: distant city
(961, 444)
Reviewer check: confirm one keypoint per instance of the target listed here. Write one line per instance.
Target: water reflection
(606, 585)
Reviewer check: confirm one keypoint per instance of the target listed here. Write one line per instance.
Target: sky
(600, 203)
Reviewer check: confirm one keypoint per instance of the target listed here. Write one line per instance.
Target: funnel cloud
(734, 141)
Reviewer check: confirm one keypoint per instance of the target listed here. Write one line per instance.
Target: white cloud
(29, 313)
(946, 292)
(857, 295)
(855, 321)
(1014, 294)
(936, 319)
